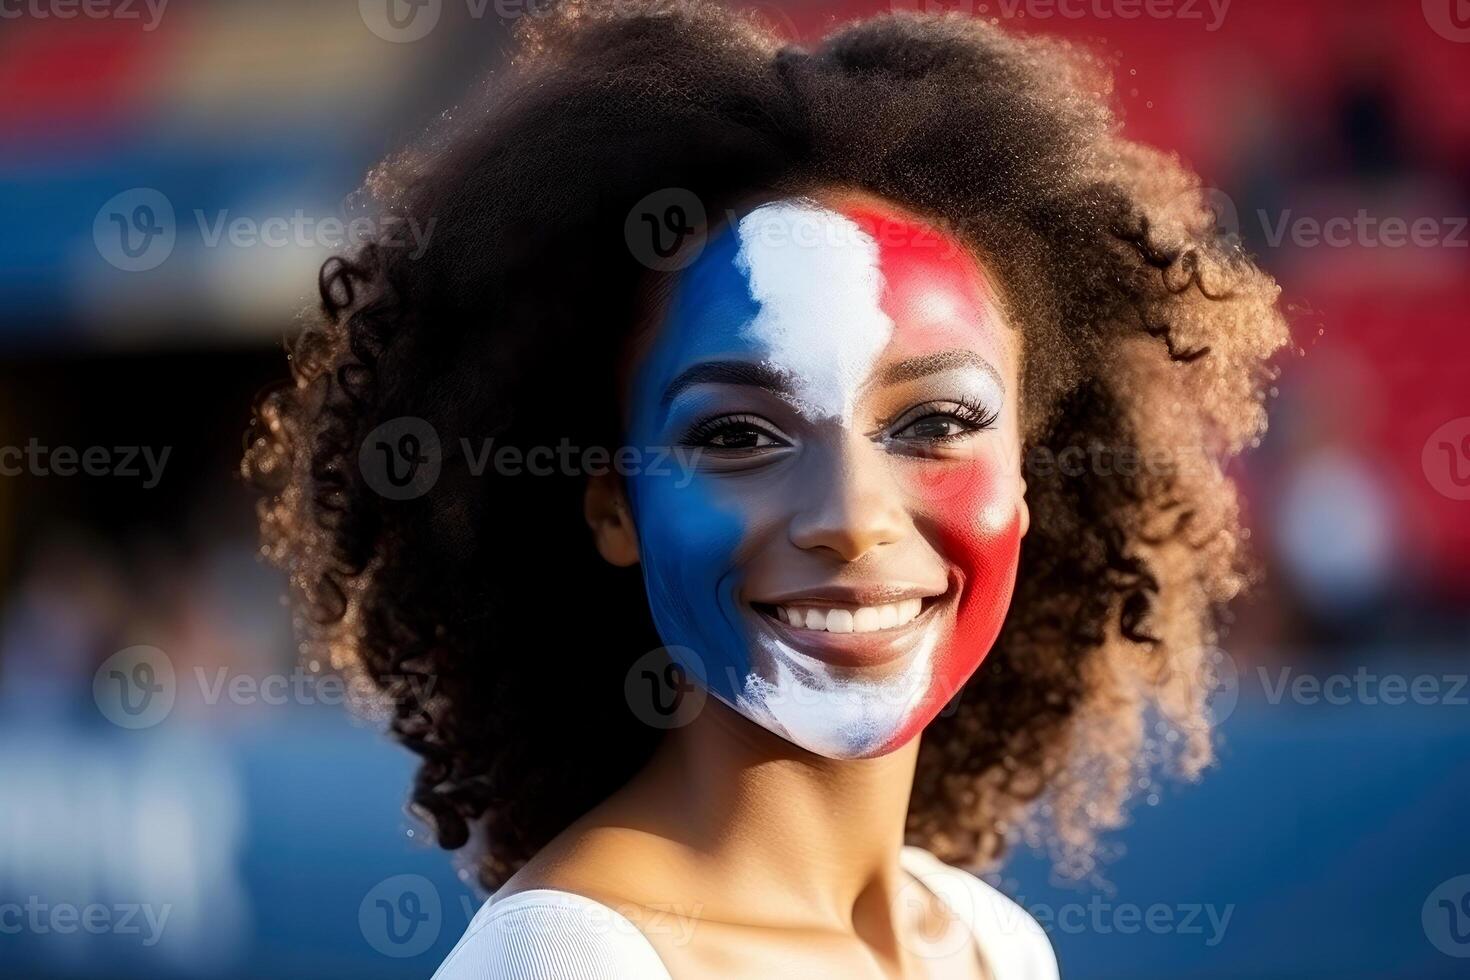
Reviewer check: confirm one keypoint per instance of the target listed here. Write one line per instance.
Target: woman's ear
(1023, 511)
(605, 506)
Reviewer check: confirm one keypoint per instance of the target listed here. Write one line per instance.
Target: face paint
(784, 250)
(807, 321)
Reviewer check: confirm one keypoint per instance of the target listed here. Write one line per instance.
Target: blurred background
(171, 176)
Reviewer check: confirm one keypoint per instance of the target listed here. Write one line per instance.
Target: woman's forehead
(827, 292)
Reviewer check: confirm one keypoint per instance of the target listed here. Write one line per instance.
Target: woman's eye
(740, 438)
(943, 422)
(734, 434)
(933, 427)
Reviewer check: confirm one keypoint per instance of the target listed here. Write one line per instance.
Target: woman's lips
(864, 635)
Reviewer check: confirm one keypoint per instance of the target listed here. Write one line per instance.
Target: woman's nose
(850, 506)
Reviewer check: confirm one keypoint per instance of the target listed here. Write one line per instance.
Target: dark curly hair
(1145, 337)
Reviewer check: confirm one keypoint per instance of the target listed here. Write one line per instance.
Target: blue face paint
(689, 534)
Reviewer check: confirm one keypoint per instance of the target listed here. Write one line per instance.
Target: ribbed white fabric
(1012, 943)
(543, 934)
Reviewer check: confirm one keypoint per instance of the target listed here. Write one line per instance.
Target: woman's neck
(776, 828)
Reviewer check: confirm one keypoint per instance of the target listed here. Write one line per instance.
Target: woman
(909, 361)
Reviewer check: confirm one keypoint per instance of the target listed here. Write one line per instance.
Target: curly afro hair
(1146, 342)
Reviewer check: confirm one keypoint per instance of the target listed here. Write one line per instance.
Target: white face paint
(813, 704)
(816, 276)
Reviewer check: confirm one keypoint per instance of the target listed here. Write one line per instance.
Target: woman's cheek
(972, 511)
(689, 537)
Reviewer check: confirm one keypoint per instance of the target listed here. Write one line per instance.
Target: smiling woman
(929, 256)
(850, 556)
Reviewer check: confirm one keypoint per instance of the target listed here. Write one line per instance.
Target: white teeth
(864, 619)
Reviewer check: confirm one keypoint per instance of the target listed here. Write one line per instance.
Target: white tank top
(544, 934)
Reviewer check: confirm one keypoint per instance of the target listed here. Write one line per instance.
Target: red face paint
(939, 300)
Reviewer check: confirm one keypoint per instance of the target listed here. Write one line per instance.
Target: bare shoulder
(619, 866)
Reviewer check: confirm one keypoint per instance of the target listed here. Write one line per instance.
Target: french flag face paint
(843, 557)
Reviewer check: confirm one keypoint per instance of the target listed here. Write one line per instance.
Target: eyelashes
(735, 434)
(932, 423)
(940, 421)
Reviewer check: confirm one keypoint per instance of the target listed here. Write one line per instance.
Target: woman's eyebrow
(944, 360)
(749, 373)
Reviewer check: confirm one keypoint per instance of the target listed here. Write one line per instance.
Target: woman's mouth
(845, 619)
(850, 629)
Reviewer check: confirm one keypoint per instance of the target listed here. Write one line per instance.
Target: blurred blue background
(262, 832)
